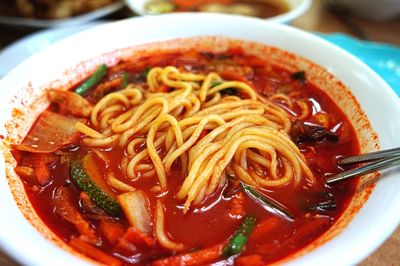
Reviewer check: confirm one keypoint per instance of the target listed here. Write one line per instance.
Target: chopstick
(368, 157)
(377, 161)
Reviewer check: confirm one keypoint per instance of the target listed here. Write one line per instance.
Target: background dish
(297, 8)
(41, 23)
(369, 89)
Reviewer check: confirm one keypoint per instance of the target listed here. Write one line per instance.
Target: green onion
(92, 81)
(267, 202)
(239, 239)
(145, 72)
(125, 80)
(215, 83)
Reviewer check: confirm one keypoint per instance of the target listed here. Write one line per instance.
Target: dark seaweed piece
(326, 202)
(211, 56)
(329, 205)
(228, 91)
(300, 75)
(305, 132)
(267, 202)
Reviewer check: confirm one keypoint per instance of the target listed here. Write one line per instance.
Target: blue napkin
(383, 58)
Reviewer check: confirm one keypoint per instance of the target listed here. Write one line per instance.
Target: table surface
(317, 18)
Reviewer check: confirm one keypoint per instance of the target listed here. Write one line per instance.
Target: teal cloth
(383, 58)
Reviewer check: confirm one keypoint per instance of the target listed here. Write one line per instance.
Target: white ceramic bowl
(372, 224)
(296, 9)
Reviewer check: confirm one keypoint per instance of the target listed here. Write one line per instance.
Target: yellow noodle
(211, 133)
(88, 131)
(161, 234)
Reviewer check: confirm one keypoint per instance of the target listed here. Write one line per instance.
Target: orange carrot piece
(253, 260)
(25, 171)
(111, 230)
(237, 209)
(64, 206)
(304, 232)
(93, 252)
(264, 227)
(134, 237)
(201, 257)
(40, 168)
(163, 88)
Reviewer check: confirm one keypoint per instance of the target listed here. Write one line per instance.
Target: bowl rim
(297, 11)
(11, 244)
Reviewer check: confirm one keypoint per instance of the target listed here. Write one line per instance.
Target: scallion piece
(215, 84)
(267, 202)
(239, 239)
(125, 80)
(92, 81)
(145, 72)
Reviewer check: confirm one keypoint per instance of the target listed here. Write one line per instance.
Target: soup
(188, 158)
(254, 8)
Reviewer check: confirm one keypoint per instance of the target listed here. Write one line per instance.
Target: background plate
(80, 19)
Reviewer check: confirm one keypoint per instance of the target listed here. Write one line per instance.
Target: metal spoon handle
(365, 169)
(368, 157)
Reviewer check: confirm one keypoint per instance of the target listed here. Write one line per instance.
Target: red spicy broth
(215, 220)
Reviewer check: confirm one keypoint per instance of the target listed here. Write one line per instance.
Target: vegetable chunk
(50, 133)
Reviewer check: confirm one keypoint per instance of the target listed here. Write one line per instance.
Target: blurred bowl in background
(372, 9)
(280, 11)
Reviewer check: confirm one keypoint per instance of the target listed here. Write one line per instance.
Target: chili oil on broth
(217, 197)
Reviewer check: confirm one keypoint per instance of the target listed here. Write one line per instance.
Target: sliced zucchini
(88, 177)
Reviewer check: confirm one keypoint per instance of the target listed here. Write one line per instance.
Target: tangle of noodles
(189, 119)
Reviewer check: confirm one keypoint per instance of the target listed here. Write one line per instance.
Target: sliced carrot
(93, 252)
(250, 260)
(111, 230)
(237, 209)
(163, 88)
(64, 206)
(300, 236)
(41, 169)
(264, 227)
(201, 257)
(313, 225)
(134, 237)
(26, 172)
